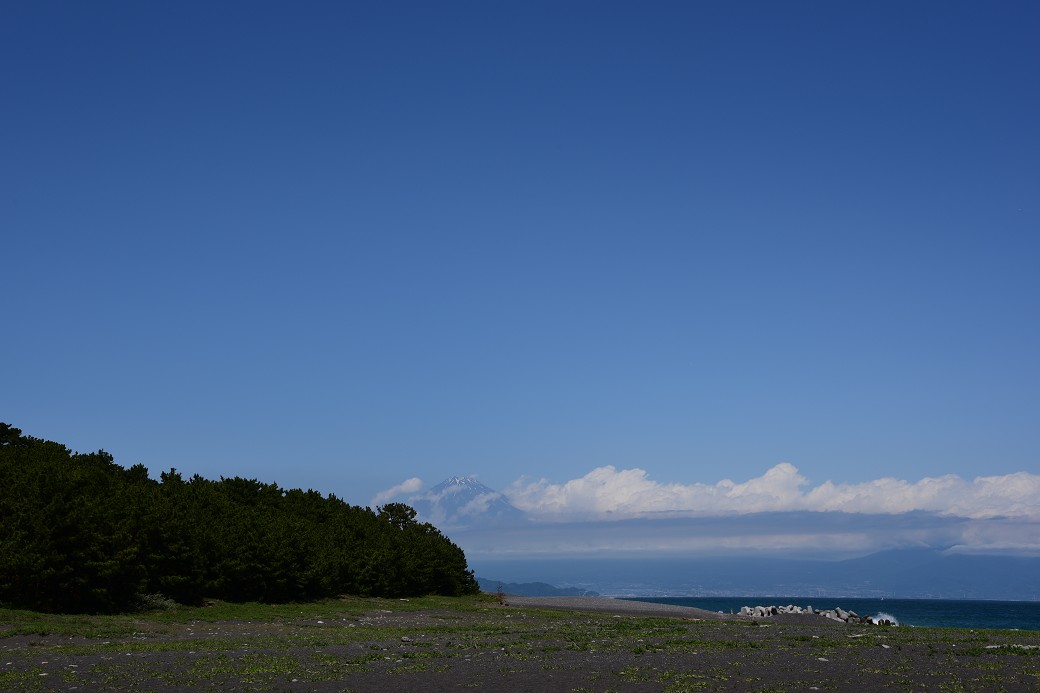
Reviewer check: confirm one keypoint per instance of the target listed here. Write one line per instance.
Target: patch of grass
(692, 645)
(261, 668)
(344, 607)
(17, 622)
(637, 674)
(28, 679)
(682, 682)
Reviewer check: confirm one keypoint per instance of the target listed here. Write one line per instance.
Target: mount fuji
(462, 501)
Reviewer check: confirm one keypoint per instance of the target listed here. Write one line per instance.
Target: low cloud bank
(609, 493)
(791, 534)
(611, 512)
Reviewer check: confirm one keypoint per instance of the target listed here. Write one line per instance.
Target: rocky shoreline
(837, 614)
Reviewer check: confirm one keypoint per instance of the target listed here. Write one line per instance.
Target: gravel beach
(607, 605)
(530, 644)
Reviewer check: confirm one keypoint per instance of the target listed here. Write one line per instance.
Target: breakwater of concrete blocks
(838, 614)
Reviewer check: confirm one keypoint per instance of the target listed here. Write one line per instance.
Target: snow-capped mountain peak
(460, 484)
(462, 500)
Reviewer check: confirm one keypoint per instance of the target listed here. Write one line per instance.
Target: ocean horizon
(930, 613)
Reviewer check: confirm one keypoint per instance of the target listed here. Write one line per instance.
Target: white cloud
(412, 485)
(778, 512)
(478, 505)
(606, 492)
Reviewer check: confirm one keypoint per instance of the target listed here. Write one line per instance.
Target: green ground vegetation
(445, 643)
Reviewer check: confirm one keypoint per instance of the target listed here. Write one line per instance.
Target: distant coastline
(934, 613)
(902, 573)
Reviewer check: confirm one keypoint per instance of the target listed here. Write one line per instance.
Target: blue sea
(936, 613)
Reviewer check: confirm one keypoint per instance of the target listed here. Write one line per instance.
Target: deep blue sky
(337, 245)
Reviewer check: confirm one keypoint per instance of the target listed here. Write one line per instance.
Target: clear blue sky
(337, 245)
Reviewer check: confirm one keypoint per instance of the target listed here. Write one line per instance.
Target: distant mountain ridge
(908, 573)
(464, 501)
(532, 589)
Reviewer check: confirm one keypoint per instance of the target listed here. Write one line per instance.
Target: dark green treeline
(79, 533)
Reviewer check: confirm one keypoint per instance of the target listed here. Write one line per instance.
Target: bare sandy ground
(621, 607)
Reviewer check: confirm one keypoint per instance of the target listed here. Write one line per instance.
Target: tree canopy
(79, 533)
